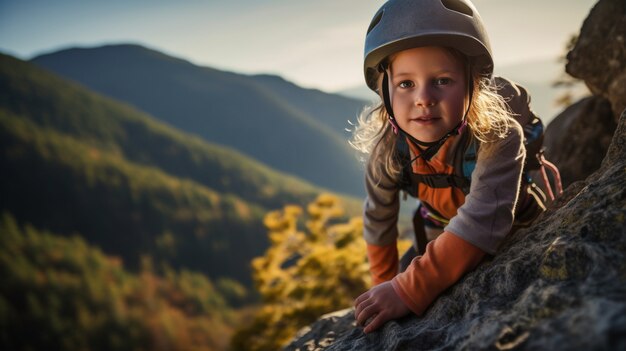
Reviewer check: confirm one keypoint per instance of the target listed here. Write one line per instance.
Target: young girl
(431, 63)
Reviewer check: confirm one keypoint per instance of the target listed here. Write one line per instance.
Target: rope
(555, 174)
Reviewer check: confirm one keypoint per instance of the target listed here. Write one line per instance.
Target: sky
(315, 44)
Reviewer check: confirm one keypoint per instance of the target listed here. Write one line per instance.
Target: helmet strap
(387, 100)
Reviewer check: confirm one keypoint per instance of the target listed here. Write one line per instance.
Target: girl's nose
(424, 97)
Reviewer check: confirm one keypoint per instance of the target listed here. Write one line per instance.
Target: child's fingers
(360, 303)
(365, 314)
(361, 298)
(378, 320)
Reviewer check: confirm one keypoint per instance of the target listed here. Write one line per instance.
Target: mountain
(74, 161)
(295, 130)
(360, 91)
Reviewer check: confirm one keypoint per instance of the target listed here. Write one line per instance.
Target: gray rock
(577, 139)
(557, 285)
(324, 331)
(600, 53)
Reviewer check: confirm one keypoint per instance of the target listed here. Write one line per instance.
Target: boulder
(557, 285)
(599, 55)
(577, 139)
(324, 331)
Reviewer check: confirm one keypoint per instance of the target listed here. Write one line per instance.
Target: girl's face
(428, 87)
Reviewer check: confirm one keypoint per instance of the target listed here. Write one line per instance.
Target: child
(430, 61)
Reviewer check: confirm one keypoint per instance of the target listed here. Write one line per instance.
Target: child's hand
(378, 305)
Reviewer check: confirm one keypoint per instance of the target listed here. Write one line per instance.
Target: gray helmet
(403, 24)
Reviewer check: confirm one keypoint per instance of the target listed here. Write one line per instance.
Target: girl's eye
(442, 81)
(406, 84)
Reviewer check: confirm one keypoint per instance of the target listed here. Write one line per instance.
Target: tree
(61, 293)
(305, 274)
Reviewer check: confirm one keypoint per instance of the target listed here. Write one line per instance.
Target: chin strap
(387, 100)
(431, 147)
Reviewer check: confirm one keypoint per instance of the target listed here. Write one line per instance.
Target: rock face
(558, 285)
(325, 331)
(600, 53)
(577, 139)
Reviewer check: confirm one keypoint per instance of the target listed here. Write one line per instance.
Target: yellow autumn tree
(305, 273)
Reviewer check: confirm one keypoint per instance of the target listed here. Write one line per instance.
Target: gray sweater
(487, 215)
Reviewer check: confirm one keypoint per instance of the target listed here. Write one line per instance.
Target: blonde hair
(488, 120)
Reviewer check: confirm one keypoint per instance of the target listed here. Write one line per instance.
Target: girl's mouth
(425, 119)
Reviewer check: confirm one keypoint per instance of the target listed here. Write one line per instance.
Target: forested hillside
(291, 129)
(76, 162)
(61, 293)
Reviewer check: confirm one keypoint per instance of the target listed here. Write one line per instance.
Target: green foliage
(75, 161)
(298, 131)
(235, 294)
(56, 105)
(60, 182)
(62, 294)
(305, 274)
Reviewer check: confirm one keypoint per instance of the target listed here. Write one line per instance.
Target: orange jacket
(383, 262)
(446, 201)
(446, 260)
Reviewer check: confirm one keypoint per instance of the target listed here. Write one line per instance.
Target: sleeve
(380, 230)
(380, 210)
(487, 215)
(383, 262)
(445, 261)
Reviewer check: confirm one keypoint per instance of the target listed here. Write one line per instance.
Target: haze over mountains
(295, 130)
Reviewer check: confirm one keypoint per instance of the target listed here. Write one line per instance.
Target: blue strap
(469, 160)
